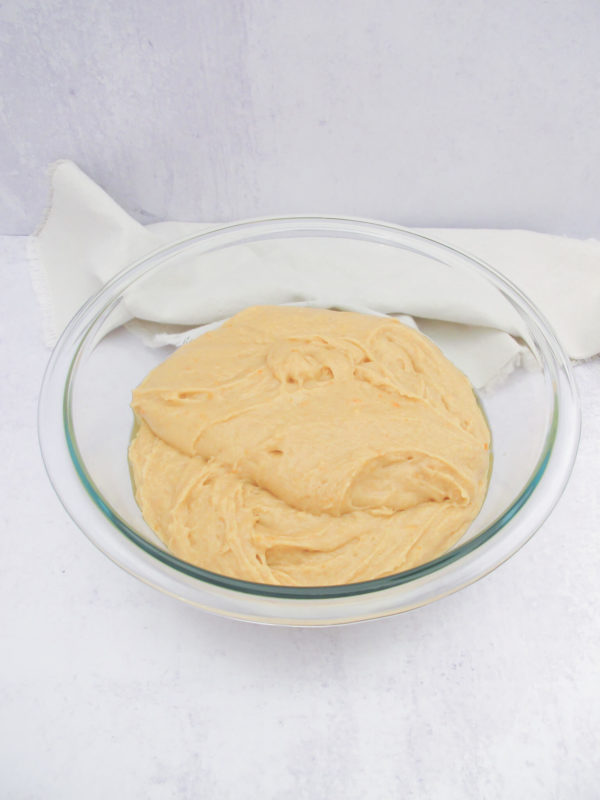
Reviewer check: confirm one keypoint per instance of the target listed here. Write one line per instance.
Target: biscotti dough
(308, 447)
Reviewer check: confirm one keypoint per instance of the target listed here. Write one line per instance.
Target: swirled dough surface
(305, 447)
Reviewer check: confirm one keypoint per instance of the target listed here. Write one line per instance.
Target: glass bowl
(85, 422)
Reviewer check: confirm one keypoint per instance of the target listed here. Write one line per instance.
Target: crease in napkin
(86, 238)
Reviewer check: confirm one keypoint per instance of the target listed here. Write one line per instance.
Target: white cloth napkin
(86, 238)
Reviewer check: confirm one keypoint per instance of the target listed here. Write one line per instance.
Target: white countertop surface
(110, 689)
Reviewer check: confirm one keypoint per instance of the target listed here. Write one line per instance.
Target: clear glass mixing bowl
(85, 421)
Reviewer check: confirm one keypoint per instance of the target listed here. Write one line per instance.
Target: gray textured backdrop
(453, 112)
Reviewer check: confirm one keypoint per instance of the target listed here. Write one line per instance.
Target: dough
(307, 447)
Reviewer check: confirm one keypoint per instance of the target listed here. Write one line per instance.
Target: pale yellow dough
(308, 447)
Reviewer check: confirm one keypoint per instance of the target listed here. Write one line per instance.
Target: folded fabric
(86, 238)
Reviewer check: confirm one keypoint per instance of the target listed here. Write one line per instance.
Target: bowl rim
(87, 320)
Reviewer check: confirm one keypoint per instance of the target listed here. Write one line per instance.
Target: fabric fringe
(41, 289)
(37, 271)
